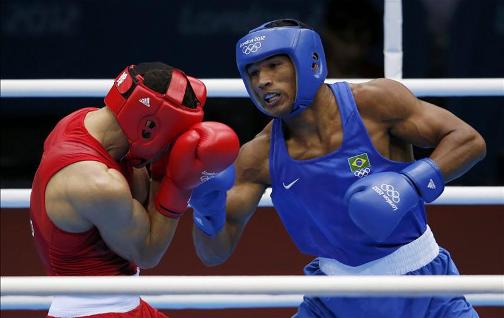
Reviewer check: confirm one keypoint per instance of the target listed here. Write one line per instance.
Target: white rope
(392, 39)
(229, 87)
(412, 286)
(20, 198)
(215, 301)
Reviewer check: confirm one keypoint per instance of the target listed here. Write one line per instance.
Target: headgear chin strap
(151, 120)
(302, 45)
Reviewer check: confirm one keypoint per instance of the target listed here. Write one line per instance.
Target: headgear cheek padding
(150, 120)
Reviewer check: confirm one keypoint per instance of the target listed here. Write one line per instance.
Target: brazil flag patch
(359, 162)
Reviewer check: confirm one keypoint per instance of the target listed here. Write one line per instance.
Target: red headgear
(151, 120)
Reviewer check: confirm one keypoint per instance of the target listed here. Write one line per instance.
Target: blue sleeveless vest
(308, 194)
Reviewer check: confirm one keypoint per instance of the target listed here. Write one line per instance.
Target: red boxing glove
(206, 149)
(158, 167)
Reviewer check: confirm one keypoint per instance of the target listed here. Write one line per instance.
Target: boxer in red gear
(93, 205)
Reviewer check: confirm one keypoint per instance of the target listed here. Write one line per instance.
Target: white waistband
(77, 306)
(405, 259)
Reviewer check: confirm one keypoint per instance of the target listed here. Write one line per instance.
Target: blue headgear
(302, 45)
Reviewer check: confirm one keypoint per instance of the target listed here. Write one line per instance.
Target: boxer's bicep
(252, 178)
(242, 202)
(107, 203)
(406, 117)
(424, 124)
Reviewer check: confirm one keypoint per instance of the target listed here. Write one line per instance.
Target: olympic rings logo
(362, 172)
(391, 192)
(251, 48)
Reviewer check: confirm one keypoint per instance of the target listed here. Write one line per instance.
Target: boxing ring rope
(351, 286)
(487, 289)
(229, 87)
(392, 39)
(20, 198)
(216, 301)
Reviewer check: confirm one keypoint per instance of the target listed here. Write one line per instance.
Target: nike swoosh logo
(288, 186)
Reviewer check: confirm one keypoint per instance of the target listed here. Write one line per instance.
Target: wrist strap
(167, 212)
(427, 178)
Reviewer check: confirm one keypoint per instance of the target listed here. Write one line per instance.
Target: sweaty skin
(394, 118)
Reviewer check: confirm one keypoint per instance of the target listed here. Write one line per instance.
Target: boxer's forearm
(213, 250)
(458, 151)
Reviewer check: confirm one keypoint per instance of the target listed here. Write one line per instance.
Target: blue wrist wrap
(427, 178)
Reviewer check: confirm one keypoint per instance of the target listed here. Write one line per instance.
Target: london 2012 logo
(360, 165)
(252, 45)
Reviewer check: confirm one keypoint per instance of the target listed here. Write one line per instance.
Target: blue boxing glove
(378, 202)
(209, 201)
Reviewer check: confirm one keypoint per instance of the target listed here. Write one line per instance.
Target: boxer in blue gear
(344, 181)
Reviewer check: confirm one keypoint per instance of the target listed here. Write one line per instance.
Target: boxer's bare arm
(99, 196)
(457, 145)
(252, 178)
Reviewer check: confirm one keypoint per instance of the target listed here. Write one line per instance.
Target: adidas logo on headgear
(145, 101)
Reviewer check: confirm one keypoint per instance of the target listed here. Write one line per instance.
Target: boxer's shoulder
(87, 184)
